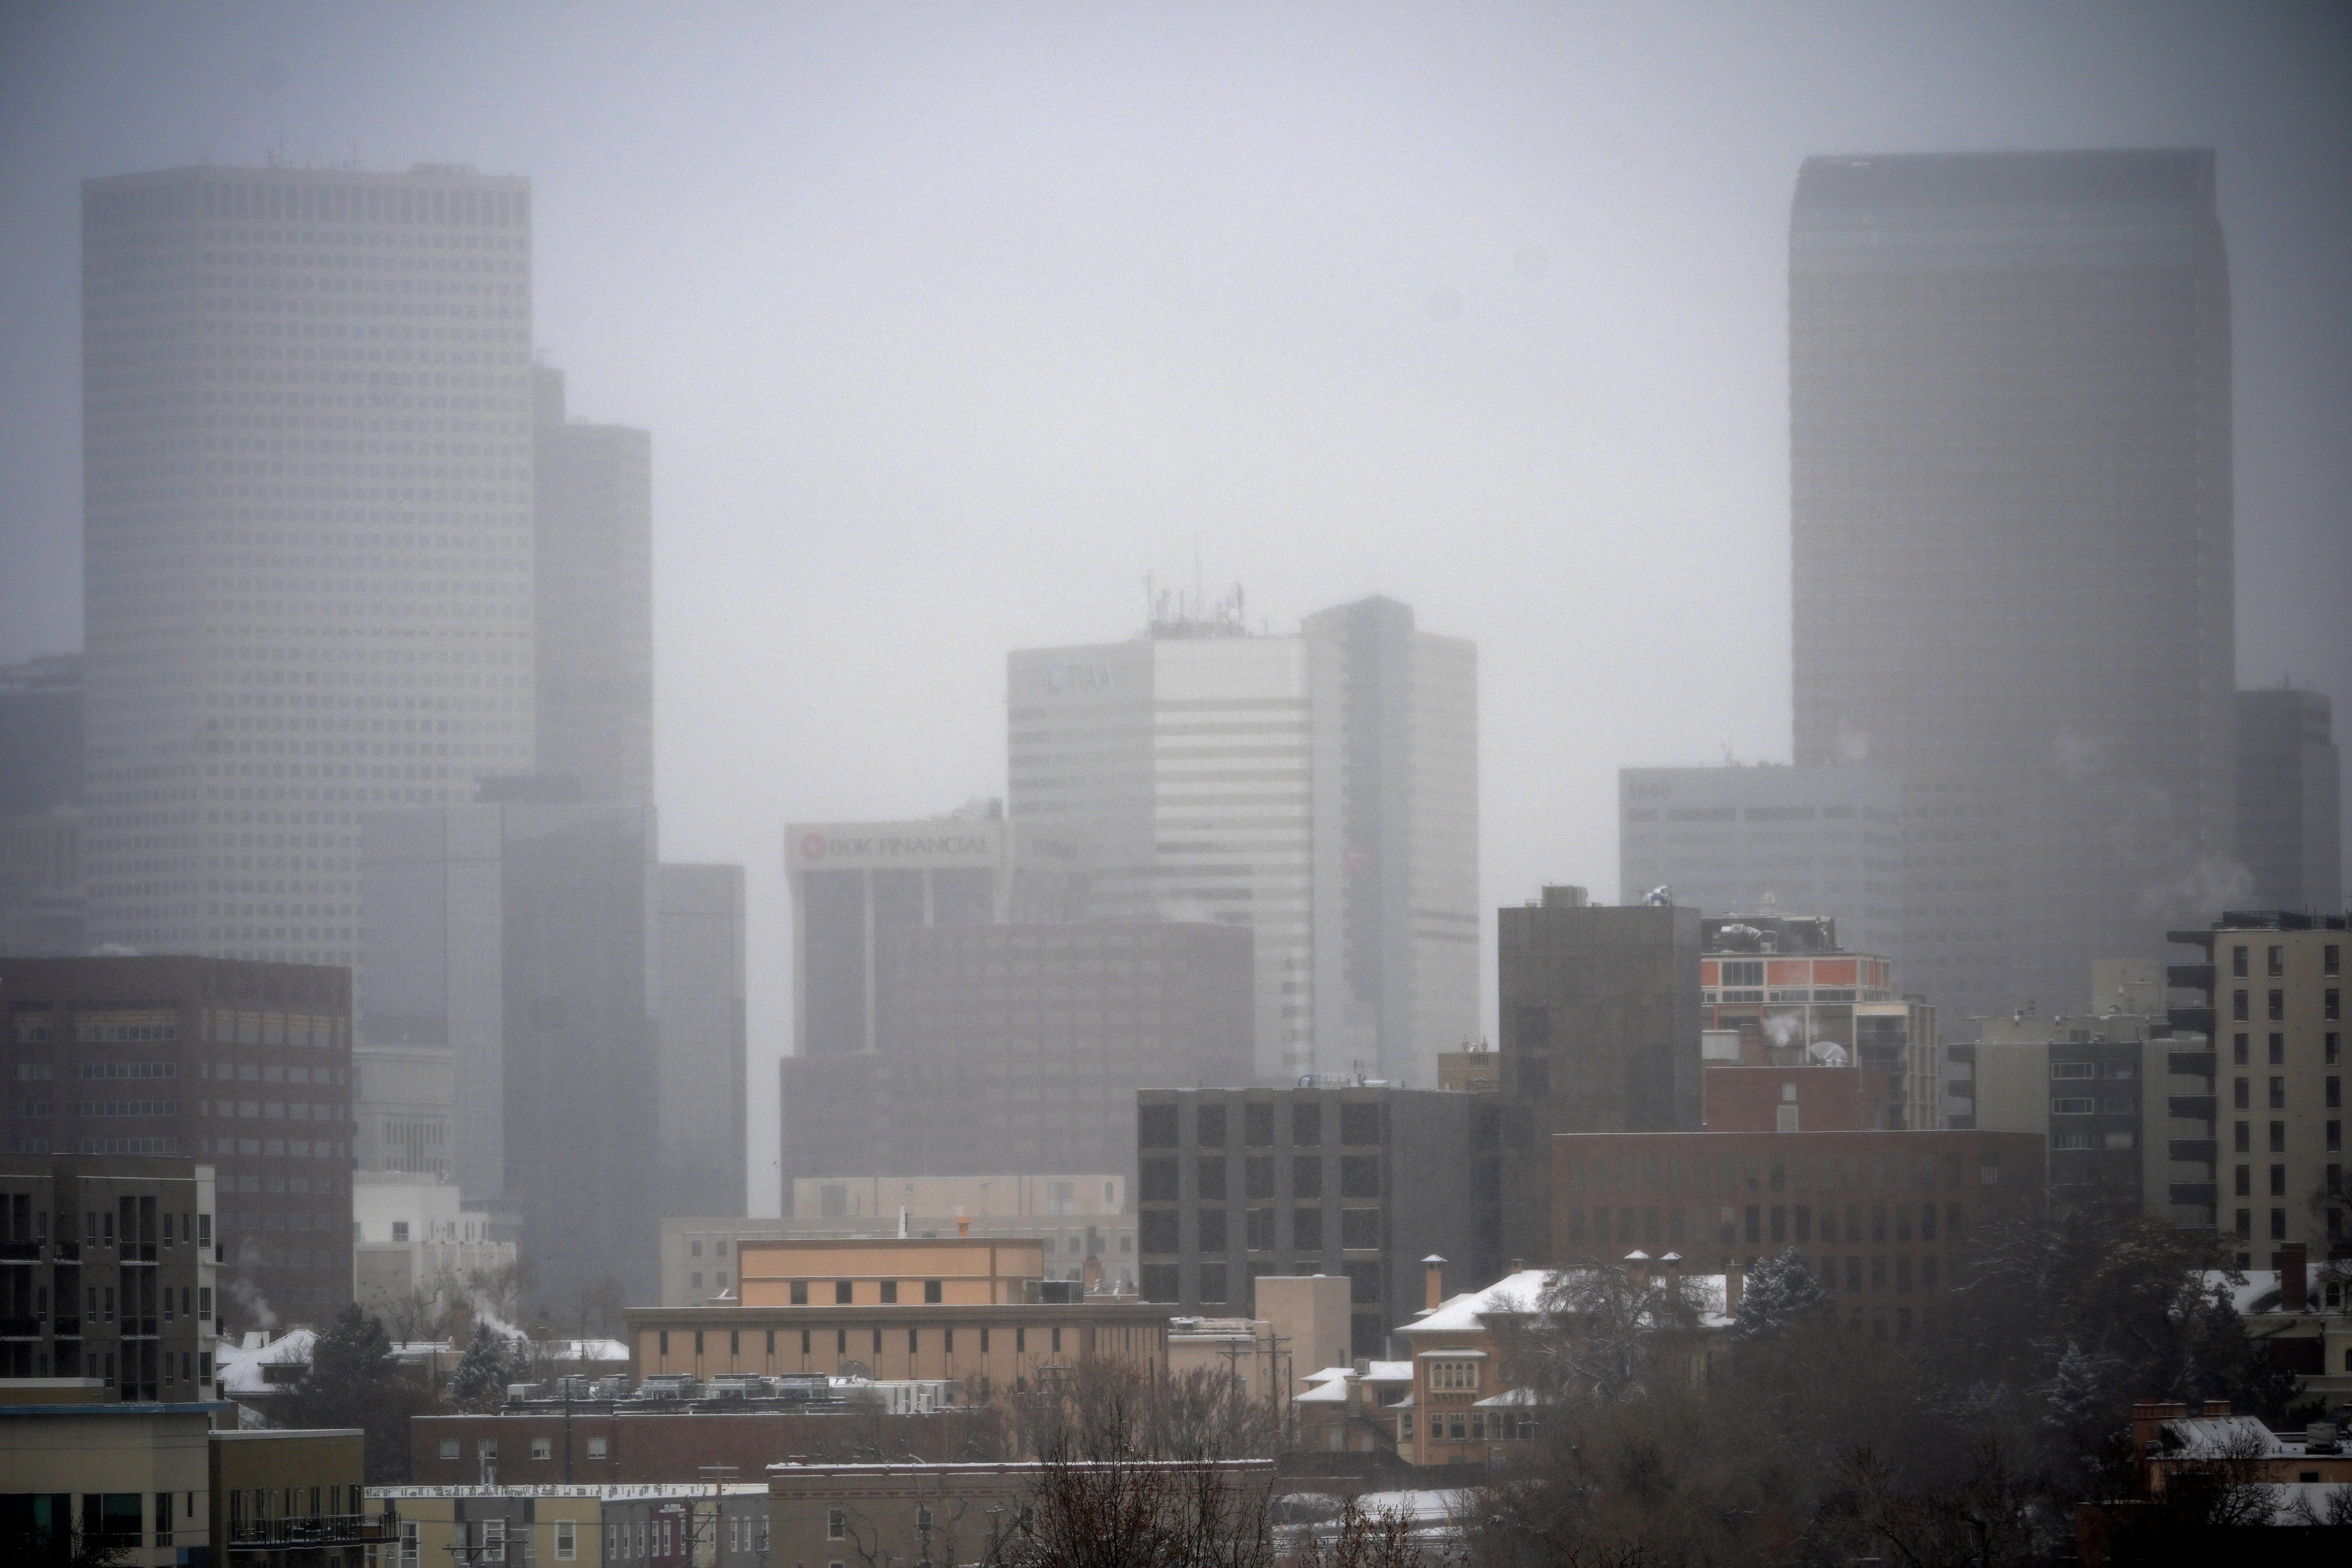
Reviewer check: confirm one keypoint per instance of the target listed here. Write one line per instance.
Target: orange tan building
(974, 1309)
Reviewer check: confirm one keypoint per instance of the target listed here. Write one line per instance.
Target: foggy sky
(953, 322)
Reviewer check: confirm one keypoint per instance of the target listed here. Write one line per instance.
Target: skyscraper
(593, 523)
(2290, 814)
(2010, 493)
(699, 1031)
(1319, 788)
(307, 525)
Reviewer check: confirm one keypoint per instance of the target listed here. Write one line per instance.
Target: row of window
(1775, 1172)
(1359, 1230)
(1360, 1177)
(2242, 1092)
(1212, 1282)
(2331, 1049)
(2331, 960)
(1779, 1224)
(841, 1340)
(2331, 1005)
(1156, 1125)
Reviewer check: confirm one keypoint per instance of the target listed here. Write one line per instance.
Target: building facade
(1004, 1044)
(2011, 498)
(108, 1272)
(1600, 1026)
(699, 1038)
(126, 1483)
(1729, 839)
(2290, 800)
(1881, 1214)
(1358, 1181)
(2271, 995)
(592, 526)
(244, 1066)
(43, 908)
(416, 1249)
(1319, 790)
(519, 935)
(310, 537)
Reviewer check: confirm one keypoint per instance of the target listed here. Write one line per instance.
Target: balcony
(20, 1328)
(2195, 1150)
(2195, 1020)
(67, 1252)
(2192, 1107)
(2190, 1064)
(2190, 977)
(20, 1251)
(251, 1537)
(139, 1329)
(68, 1328)
(2194, 1194)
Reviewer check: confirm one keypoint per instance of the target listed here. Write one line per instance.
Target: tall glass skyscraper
(1320, 788)
(308, 523)
(2010, 493)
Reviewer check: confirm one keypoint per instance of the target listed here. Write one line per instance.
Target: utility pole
(718, 1476)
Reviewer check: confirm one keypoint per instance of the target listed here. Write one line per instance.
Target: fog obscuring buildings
(307, 535)
(1320, 789)
(43, 906)
(2010, 483)
(2290, 825)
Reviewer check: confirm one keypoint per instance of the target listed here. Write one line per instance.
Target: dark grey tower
(2010, 472)
(591, 521)
(2290, 816)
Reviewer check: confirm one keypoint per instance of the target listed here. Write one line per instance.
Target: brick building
(1882, 1215)
(666, 1442)
(243, 1065)
(1793, 1099)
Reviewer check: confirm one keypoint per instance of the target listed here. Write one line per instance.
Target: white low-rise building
(411, 1237)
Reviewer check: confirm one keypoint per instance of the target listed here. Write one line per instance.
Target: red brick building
(1793, 1099)
(1880, 1214)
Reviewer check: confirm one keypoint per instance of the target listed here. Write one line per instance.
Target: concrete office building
(1761, 838)
(1318, 789)
(43, 906)
(519, 937)
(2011, 498)
(308, 535)
(107, 1273)
(1000, 1044)
(2290, 802)
(416, 1244)
(699, 1038)
(405, 1103)
(858, 887)
(244, 1066)
(1599, 1034)
(126, 1483)
(2270, 990)
(592, 521)
(1361, 1181)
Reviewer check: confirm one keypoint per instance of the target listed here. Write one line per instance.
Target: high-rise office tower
(592, 519)
(2009, 473)
(44, 913)
(700, 1035)
(2290, 812)
(519, 935)
(307, 525)
(1319, 788)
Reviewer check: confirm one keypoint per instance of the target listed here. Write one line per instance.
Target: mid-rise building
(2010, 487)
(1600, 1026)
(1000, 1045)
(2271, 995)
(87, 1475)
(1881, 1214)
(404, 1102)
(244, 1066)
(2290, 804)
(108, 1272)
(43, 906)
(1729, 838)
(700, 1045)
(308, 523)
(1357, 1180)
(1078, 1220)
(1319, 790)
(1792, 995)
(416, 1248)
(519, 935)
(592, 526)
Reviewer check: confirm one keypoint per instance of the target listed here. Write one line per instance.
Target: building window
(2241, 1138)
(2238, 1057)
(2277, 965)
(2242, 1092)
(1212, 1225)
(889, 1292)
(596, 1449)
(2238, 1012)
(1260, 1230)
(695, 1279)
(2276, 1006)
(1209, 1178)
(841, 1292)
(542, 1447)
(449, 1448)
(1307, 1229)
(799, 1293)
(2278, 1181)
(2278, 1137)
(1209, 1126)
(2245, 1182)
(2237, 963)
(2278, 1094)
(2278, 1050)
(1257, 1124)
(2336, 1138)
(2278, 1224)
(932, 1289)
(400, 1230)
(836, 1522)
(1258, 1177)
(693, 1248)
(567, 1540)
(1212, 1284)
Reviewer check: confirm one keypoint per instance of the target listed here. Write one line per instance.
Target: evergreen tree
(1781, 1291)
(482, 1378)
(355, 1381)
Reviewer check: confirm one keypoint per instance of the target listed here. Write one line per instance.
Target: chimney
(963, 1225)
(461, 1324)
(1432, 1281)
(1092, 1274)
(2217, 1408)
(2294, 1277)
(1637, 1264)
(1519, 1266)
(1672, 1265)
(1733, 1282)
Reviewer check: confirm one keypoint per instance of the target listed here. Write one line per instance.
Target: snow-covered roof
(1431, 1507)
(1508, 1396)
(239, 1367)
(2262, 1283)
(1518, 1294)
(1330, 1374)
(2218, 1437)
(1388, 1371)
(584, 1350)
(1333, 1391)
